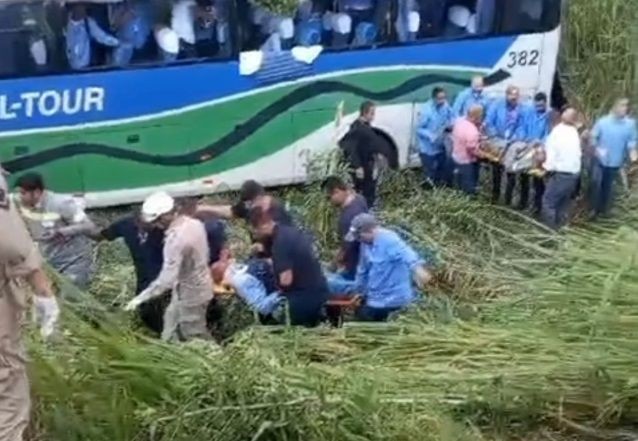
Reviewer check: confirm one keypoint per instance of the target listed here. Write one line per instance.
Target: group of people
(510, 137)
(180, 253)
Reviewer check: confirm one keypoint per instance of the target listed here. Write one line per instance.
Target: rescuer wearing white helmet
(185, 270)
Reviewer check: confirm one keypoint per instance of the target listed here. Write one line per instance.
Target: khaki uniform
(185, 271)
(18, 257)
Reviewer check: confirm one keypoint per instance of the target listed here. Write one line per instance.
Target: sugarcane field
(411, 220)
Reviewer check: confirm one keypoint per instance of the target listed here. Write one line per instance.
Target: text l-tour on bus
(111, 100)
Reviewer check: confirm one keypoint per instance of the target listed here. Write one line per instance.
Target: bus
(250, 108)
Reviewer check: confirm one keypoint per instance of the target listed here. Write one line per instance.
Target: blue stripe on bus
(46, 102)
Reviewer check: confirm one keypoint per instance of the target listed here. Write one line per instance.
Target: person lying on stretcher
(246, 281)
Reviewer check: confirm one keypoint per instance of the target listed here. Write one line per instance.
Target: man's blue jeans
(338, 284)
(557, 199)
(601, 192)
(437, 169)
(368, 314)
(468, 175)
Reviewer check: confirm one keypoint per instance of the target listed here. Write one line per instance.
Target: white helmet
(156, 205)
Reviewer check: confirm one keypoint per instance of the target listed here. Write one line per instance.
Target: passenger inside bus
(55, 36)
(81, 32)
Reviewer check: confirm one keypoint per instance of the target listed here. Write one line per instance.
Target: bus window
(526, 16)
(53, 37)
(202, 28)
(24, 39)
(340, 24)
(424, 19)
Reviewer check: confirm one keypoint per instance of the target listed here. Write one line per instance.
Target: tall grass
(600, 52)
(551, 339)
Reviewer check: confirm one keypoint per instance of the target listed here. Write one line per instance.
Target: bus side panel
(64, 173)
(110, 167)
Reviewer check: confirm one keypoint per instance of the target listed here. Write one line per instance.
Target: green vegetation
(523, 329)
(524, 332)
(600, 53)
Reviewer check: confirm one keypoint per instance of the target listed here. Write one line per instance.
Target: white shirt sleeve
(551, 148)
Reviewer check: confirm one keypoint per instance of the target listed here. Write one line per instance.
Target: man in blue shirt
(614, 140)
(432, 135)
(80, 30)
(469, 97)
(536, 128)
(505, 125)
(145, 244)
(385, 271)
(297, 269)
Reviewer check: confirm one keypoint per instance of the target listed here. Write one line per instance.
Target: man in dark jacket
(361, 145)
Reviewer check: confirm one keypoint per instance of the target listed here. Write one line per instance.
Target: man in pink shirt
(466, 138)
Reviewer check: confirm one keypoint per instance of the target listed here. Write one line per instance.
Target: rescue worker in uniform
(60, 227)
(19, 262)
(185, 271)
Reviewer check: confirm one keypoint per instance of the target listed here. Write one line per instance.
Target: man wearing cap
(60, 227)
(185, 271)
(19, 261)
(385, 271)
(297, 269)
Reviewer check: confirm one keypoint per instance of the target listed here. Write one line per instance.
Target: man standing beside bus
(433, 131)
(474, 95)
(537, 125)
(466, 139)
(563, 159)
(614, 139)
(361, 146)
(505, 126)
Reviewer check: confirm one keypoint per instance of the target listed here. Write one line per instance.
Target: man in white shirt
(563, 164)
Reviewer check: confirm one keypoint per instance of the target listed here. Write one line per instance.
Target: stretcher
(223, 290)
(492, 154)
(337, 305)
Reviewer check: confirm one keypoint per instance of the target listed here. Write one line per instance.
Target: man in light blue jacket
(387, 267)
(614, 139)
(433, 131)
(80, 30)
(536, 128)
(505, 125)
(473, 95)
